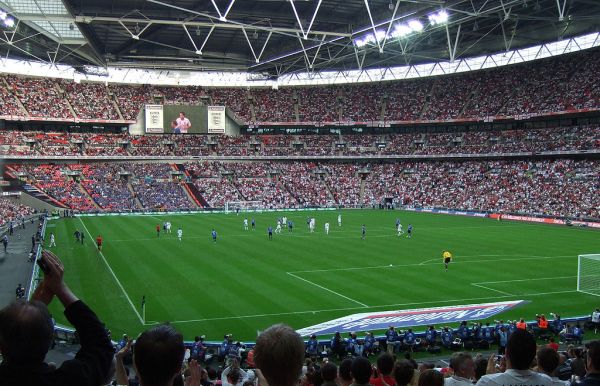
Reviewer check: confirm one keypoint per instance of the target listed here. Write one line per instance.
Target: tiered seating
(51, 180)
(236, 99)
(90, 100)
(11, 211)
(306, 186)
(8, 103)
(131, 99)
(107, 189)
(40, 97)
(218, 191)
(274, 105)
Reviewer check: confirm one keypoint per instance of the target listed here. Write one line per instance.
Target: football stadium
(313, 192)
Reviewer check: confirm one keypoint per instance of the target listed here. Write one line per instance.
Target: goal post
(588, 274)
(243, 206)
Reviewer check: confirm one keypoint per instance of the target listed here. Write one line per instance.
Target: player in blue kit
(214, 235)
(270, 230)
(364, 232)
(409, 231)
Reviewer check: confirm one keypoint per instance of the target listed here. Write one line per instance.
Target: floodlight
(415, 25)
(9, 22)
(3, 15)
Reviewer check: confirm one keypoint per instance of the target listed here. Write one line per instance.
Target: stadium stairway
(195, 195)
(11, 92)
(83, 190)
(138, 203)
(191, 189)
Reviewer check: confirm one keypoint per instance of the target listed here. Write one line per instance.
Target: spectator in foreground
(464, 370)
(345, 372)
(27, 332)
(431, 378)
(403, 372)
(361, 371)
(385, 367)
(158, 357)
(329, 374)
(520, 352)
(592, 377)
(547, 362)
(279, 354)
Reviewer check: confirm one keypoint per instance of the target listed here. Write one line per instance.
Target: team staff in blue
(392, 339)
(312, 347)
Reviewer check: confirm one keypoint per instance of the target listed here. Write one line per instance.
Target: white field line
(491, 289)
(362, 309)
(326, 289)
(518, 280)
(511, 258)
(114, 276)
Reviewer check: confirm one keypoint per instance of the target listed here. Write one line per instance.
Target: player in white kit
(339, 220)
(326, 228)
(179, 234)
(245, 224)
(52, 241)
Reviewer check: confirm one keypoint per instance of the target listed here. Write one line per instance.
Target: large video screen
(184, 119)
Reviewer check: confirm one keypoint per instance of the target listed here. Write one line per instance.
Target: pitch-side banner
(409, 318)
(216, 119)
(154, 119)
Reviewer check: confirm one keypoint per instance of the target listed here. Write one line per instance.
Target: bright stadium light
(3, 15)
(415, 25)
(9, 22)
(401, 30)
(440, 17)
(370, 39)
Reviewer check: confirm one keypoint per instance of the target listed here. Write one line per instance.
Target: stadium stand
(11, 211)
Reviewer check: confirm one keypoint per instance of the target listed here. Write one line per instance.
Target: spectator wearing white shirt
(464, 370)
(520, 352)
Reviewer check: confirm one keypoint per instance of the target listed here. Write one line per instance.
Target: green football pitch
(244, 282)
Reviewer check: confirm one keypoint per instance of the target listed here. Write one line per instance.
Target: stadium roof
(272, 38)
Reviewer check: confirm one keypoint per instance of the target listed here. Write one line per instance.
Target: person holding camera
(27, 333)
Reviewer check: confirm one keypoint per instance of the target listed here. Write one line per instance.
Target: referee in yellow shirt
(447, 257)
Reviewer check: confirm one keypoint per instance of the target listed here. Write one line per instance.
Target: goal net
(588, 274)
(243, 206)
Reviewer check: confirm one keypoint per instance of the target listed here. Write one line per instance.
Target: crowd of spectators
(561, 187)
(551, 85)
(9, 104)
(218, 191)
(90, 100)
(572, 138)
(40, 96)
(162, 195)
(104, 182)
(12, 211)
(55, 182)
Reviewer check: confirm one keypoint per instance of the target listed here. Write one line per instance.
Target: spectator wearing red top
(385, 366)
(553, 345)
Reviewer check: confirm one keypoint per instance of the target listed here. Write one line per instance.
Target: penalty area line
(491, 289)
(115, 276)
(327, 289)
(430, 261)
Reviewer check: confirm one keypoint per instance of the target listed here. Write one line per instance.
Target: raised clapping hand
(195, 374)
(53, 283)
